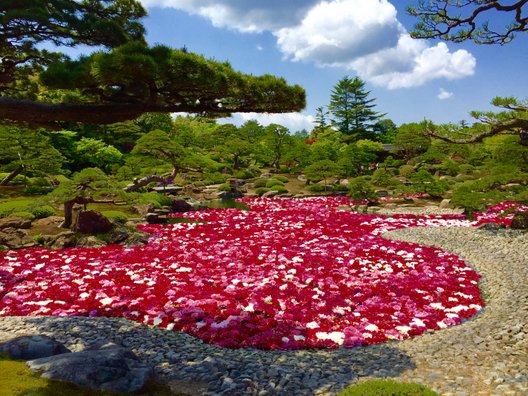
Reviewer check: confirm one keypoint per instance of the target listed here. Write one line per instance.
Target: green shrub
(383, 178)
(24, 215)
(39, 181)
(340, 187)
(360, 188)
(225, 187)
(36, 190)
(478, 194)
(449, 167)
(407, 171)
(155, 199)
(215, 177)
(281, 178)
(274, 182)
(424, 182)
(243, 174)
(315, 188)
(261, 190)
(261, 182)
(279, 189)
(387, 388)
(115, 216)
(43, 211)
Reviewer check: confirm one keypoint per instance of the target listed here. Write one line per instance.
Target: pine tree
(351, 109)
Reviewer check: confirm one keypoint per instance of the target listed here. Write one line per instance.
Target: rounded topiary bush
(274, 182)
(41, 212)
(283, 179)
(407, 171)
(260, 183)
(316, 188)
(261, 190)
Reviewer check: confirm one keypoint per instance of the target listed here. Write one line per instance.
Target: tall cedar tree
(351, 109)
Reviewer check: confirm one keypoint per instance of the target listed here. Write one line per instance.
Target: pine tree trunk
(12, 175)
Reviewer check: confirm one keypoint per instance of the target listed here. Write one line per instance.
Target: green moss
(387, 388)
(115, 216)
(43, 211)
(18, 380)
(15, 205)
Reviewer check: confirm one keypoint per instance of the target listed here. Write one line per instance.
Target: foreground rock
(109, 368)
(32, 347)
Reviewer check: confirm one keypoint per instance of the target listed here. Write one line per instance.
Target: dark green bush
(243, 174)
(407, 171)
(41, 212)
(359, 188)
(36, 190)
(155, 199)
(261, 182)
(215, 177)
(225, 187)
(274, 182)
(280, 178)
(315, 188)
(261, 190)
(279, 189)
(387, 388)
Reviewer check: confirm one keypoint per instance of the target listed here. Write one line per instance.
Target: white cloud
(243, 15)
(339, 31)
(443, 94)
(293, 121)
(363, 36)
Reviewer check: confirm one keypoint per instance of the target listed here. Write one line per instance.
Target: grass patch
(387, 388)
(17, 379)
(15, 205)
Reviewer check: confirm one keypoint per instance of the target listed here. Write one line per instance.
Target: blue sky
(315, 43)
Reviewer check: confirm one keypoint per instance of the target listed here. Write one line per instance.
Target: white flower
(372, 327)
(106, 301)
(312, 325)
(335, 336)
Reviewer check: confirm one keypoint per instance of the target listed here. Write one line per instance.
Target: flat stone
(32, 347)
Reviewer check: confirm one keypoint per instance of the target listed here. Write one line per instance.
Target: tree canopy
(513, 121)
(122, 81)
(458, 21)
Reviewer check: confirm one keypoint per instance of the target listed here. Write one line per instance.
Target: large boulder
(108, 368)
(92, 222)
(63, 240)
(14, 238)
(32, 347)
(14, 222)
(181, 205)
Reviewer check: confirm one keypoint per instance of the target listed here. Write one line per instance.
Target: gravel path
(484, 356)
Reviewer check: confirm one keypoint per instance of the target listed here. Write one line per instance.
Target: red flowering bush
(286, 274)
